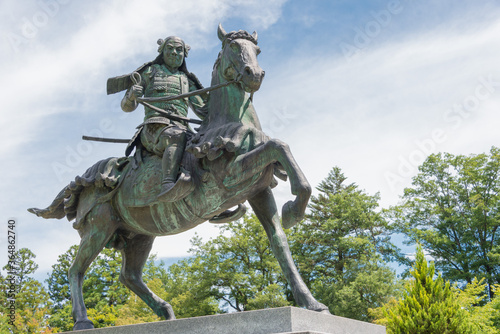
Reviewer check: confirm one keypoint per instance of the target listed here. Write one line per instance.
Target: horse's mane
(240, 34)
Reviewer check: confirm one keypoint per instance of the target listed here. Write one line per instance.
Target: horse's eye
(234, 46)
(257, 51)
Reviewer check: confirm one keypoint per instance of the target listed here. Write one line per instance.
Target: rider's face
(173, 54)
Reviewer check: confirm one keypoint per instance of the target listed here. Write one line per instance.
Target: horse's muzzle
(252, 78)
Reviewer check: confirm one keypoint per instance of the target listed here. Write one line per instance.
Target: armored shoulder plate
(123, 82)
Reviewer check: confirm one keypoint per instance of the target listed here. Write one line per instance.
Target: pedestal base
(283, 320)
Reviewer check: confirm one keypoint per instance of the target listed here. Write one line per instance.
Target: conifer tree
(428, 306)
(342, 247)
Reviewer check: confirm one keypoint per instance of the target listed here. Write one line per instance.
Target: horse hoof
(289, 215)
(321, 308)
(166, 312)
(85, 324)
(325, 311)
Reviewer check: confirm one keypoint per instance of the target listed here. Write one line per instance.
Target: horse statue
(230, 160)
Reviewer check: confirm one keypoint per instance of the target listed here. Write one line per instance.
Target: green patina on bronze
(229, 161)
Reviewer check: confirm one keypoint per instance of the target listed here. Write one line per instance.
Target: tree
(453, 209)
(495, 306)
(135, 311)
(341, 246)
(185, 291)
(480, 314)
(103, 293)
(101, 284)
(58, 282)
(236, 269)
(428, 305)
(177, 285)
(31, 299)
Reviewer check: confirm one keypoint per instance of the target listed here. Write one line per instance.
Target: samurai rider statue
(165, 76)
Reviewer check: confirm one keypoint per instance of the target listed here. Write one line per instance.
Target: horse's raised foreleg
(98, 228)
(264, 207)
(274, 150)
(134, 256)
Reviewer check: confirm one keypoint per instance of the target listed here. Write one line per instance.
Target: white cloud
(369, 113)
(115, 31)
(363, 115)
(47, 86)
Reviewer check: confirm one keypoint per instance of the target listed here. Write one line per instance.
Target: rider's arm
(129, 101)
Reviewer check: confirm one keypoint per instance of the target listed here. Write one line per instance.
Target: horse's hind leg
(264, 207)
(134, 256)
(98, 228)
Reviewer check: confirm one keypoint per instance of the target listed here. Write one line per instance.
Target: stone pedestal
(283, 320)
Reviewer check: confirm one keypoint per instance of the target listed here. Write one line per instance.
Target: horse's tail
(55, 209)
(105, 174)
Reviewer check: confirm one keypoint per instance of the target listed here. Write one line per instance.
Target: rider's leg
(170, 163)
(174, 140)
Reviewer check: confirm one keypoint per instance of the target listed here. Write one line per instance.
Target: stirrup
(176, 191)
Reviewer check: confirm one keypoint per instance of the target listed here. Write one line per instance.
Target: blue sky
(369, 86)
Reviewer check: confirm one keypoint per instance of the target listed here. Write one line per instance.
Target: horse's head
(238, 59)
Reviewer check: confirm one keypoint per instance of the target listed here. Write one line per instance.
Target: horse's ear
(221, 33)
(255, 36)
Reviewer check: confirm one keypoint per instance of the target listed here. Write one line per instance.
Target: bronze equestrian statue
(116, 202)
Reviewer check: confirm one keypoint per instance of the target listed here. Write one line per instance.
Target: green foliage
(453, 210)
(61, 318)
(269, 297)
(101, 285)
(31, 299)
(480, 314)
(341, 247)
(103, 315)
(341, 250)
(236, 269)
(135, 311)
(4, 322)
(185, 292)
(105, 296)
(58, 282)
(495, 307)
(428, 305)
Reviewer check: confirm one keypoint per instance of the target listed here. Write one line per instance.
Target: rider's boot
(173, 189)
